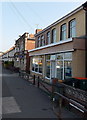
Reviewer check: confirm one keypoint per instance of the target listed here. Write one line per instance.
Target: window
(48, 38)
(63, 32)
(21, 45)
(35, 61)
(64, 65)
(67, 68)
(48, 66)
(40, 64)
(53, 35)
(59, 66)
(72, 28)
(42, 41)
(37, 64)
(67, 65)
(39, 42)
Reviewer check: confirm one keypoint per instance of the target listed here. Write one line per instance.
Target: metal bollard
(38, 82)
(28, 77)
(34, 80)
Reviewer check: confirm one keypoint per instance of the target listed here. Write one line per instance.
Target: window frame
(42, 40)
(63, 31)
(70, 34)
(38, 66)
(53, 36)
(39, 41)
(48, 37)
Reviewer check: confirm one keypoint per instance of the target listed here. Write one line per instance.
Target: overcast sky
(20, 17)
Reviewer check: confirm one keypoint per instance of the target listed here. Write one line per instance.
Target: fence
(61, 94)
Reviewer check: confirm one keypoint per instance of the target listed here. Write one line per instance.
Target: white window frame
(42, 40)
(38, 66)
(48, 37)
(63, 31)
(39, 41)
(72, 27)
(54, 35)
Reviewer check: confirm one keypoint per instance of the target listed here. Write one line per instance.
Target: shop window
(47, 66)
(63, 32)
(67, 69)
(48, 57)
(59, 56)
(48, 69)
(67, 65)
(64, 65)
(68, 56)
(40, 65)
(59, 66)
(72, 28)
(37, 64)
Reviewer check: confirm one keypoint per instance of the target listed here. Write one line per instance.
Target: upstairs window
(42, 41)
(48, 38)
(72, 28)
(63, 32)
(39, 42)
(53, 35)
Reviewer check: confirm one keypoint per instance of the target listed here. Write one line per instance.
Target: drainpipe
(86, 42)
(85, 8)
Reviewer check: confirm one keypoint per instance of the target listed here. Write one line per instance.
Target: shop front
(59, 61)
(55, 65)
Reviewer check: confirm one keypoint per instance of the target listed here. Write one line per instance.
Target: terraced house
(24, 43)
(61, 48)
(9, 55)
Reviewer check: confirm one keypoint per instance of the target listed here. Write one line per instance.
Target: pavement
(21, 99)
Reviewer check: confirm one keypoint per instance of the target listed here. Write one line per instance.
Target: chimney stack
(31, 35)
(38, 30)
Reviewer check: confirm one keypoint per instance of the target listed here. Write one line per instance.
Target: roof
(61, 19)
(9, 50)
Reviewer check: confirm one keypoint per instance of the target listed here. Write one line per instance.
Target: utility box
(82, 83)
(72, 82)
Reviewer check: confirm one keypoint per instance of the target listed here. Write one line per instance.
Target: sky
(18, 17)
